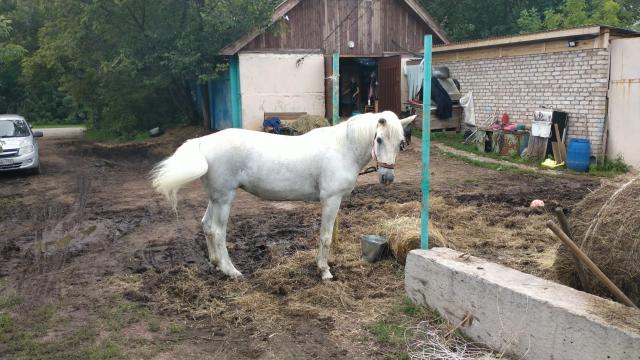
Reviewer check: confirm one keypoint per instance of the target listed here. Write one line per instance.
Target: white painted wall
(272, 83)
(624, 101)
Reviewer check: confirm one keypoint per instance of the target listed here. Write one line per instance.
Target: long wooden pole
(582, 274)
(617, 293)
(426, 134)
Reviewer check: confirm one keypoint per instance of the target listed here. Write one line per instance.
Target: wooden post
(426, 142)
(582, 274)
(617, 293)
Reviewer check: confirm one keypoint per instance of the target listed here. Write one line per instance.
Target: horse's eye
(379, 140)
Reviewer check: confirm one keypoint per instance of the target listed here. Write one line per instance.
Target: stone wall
(572, 81)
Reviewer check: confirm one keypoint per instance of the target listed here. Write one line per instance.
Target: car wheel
(36, 170)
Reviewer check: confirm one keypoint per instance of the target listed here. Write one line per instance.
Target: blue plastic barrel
(578, 154)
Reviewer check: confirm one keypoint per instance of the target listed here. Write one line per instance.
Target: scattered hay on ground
(306, 123)
(606, 226)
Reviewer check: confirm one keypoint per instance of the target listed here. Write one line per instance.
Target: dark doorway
(358, 85)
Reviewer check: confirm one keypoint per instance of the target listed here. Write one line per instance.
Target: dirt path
(103, 266)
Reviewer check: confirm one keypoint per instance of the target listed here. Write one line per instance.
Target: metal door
(624, 101)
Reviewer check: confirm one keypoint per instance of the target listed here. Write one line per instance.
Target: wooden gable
(375, 27)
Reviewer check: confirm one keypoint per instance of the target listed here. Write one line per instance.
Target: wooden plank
(561, 45)
(280, 11)
(428, 20)
(527, 49)
(518, 39)
(445, 57)
(389, 72)
(489, 53)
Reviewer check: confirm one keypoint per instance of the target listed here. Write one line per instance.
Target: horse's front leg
(330, 207)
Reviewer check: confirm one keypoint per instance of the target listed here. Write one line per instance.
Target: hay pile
(403, 234)
(606, 226)
(306, 123)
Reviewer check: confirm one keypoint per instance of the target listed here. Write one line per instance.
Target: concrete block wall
(571, 81)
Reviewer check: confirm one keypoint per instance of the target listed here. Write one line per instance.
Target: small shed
(591, 73)
(313, 56)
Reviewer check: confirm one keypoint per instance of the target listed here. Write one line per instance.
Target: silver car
(18, 145)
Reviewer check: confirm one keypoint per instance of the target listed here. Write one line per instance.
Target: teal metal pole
(426, 142)
(335, 118)
(236, 100)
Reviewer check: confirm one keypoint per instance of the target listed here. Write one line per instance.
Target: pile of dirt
(154, 148)
(306, 123)
(606, 226)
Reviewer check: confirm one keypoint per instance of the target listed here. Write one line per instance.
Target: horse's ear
(408, 120)
(382, 121)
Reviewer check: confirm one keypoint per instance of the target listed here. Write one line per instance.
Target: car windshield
(13, 128)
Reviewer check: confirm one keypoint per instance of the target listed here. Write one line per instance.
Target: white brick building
(567, 70)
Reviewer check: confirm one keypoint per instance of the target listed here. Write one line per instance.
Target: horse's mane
(361, 129)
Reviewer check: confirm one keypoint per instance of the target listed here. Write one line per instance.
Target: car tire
(35, 171)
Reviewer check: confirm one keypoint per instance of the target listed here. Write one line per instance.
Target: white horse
(321, 165)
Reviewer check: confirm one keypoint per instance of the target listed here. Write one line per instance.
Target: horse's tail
(185, 165)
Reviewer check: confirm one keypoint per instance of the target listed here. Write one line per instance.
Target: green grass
(52, 125)
(106, 135)
(456, 141)
(490, 165)
(8, 302)
(23, 334)
(388, 332)
(395, 328)
(153, 325)
(610, 168)
(175, 328)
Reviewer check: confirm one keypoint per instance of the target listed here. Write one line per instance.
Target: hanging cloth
(467, 105)
(414, 74)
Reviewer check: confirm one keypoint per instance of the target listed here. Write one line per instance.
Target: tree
(127, 64)
(529, 21)
(10, 56)
(472, 19)
(574, 13)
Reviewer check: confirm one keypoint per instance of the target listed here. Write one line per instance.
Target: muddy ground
(94, 264)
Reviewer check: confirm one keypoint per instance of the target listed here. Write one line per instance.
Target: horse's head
(389, 136)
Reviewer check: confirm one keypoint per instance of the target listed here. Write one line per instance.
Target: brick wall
(572, 81)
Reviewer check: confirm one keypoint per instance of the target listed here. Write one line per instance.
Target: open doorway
(358, 85)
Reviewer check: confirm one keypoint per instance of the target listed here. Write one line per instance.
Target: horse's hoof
(326, 276)
(235, 275)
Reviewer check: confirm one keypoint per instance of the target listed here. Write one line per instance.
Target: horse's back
(274, 167)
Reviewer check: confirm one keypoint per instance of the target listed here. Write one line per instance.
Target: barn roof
(576, 32)
(287, 5)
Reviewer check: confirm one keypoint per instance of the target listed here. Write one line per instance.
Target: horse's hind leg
(207, 227)
(330, 209)
(215, 228)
